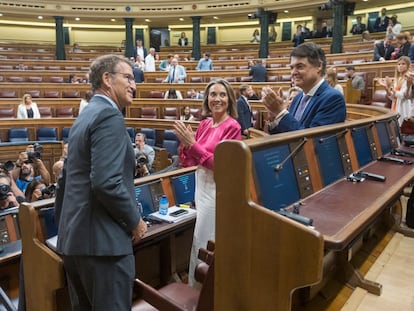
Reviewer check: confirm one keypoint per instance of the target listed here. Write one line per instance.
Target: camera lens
(4, 191)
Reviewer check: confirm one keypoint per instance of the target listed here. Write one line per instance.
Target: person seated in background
(85, 100)
(58, 165)
(165, 64)
(73, 78)
(139, 63)
(173, 94)
(403, 46)
(183, 40)
(186, 115)
(332, 78)
(28, 109)
(205, 63)
(357, 81)
(366, 36)
(383, 50)
(85, 78)
(10, 194)
(75, 48)
(29, 166)
(21, 66)
(255, 36)
(144, 156)
(39, 190)
(258, 72)
(139, 76)
(358, 28)
(194, 94)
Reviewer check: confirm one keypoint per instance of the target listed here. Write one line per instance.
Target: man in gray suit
(176, 74)
(98, 218)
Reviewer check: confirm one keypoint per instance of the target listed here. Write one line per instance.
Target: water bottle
(163, 205)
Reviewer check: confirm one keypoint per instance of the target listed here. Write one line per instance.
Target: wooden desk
(269, 247)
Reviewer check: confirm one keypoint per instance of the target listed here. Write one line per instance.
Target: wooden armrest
(155, 298)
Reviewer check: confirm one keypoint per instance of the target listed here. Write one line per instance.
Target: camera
(48, 192)
(4, 191)
(142, 159)
(7, 166)
(36, 153)
(141, 168)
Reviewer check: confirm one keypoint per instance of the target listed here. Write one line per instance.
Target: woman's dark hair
(31, 188)
(172, 93)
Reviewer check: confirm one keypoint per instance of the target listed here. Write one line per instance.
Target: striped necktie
(301, 107)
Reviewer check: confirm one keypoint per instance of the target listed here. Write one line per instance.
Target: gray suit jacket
(98, 210)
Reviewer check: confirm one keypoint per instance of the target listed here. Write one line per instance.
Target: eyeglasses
(127, 76)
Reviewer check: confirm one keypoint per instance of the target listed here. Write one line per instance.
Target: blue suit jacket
(327, 106)
(179, 74)
(244, 114)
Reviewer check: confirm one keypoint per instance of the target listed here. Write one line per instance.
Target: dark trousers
(100, 282)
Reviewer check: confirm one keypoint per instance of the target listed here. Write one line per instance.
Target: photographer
(144, 155)
(29, 166)
(37, 190)
(10, 195)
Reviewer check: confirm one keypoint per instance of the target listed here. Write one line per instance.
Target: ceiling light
(147, 20)
(1, 14)
(286, 11)
(215, 17)
(77, 19)
(113, 20)
(40, 17)
(181, 19)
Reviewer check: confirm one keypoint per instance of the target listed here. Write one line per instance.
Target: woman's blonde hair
(332, 76)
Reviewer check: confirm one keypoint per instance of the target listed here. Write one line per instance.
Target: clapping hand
(184, 133)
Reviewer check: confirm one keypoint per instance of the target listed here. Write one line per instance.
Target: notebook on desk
(175, 214)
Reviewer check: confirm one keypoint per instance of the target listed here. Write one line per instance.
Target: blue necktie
(301, 107)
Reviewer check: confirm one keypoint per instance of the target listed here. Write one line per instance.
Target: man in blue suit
(97, 213)
(318, 104)
(244, 110)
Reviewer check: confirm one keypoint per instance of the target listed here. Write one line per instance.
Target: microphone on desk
(299, 218)
(279, 167)
(343, 132)
(403, 153)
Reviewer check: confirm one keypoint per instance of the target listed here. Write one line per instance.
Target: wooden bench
(344, 214)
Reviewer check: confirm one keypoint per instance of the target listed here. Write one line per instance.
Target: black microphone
(371, 176)
(299, 218)
(403, 153)
(343, 132)
(279, 167)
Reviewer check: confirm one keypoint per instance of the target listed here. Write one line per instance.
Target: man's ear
(106, 80)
